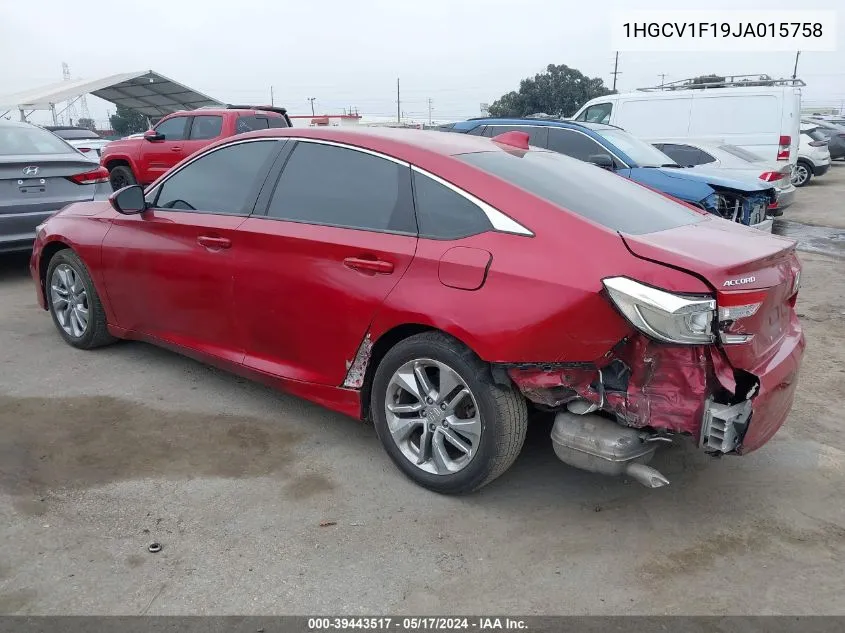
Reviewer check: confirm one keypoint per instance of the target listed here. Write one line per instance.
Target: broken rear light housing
(101, 174)
(662, 315)
(783, 147)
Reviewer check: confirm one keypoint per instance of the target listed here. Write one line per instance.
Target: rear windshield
(30, 140)
(590, 191)
(76, 134)
(743, 154)
(817, 134)
(640, 152)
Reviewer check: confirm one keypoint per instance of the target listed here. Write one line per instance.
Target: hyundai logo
(32, 170)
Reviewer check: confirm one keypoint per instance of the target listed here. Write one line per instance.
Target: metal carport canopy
(146, 91)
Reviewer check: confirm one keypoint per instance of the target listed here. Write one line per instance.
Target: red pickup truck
(142, 159)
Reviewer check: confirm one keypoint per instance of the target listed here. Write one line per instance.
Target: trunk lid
(745, 267)
(45, 185)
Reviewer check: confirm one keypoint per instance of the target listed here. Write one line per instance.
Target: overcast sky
(459, 53)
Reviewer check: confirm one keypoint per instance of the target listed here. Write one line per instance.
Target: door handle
(214, 243)
(177, 148)
(369, 265)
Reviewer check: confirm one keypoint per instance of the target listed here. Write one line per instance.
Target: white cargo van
(759, 114)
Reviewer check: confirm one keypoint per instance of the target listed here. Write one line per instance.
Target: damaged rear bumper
(690, 390)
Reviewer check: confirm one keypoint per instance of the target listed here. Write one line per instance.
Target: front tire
(74, 304)
(441, 418)
(803, 174)
(121, 176)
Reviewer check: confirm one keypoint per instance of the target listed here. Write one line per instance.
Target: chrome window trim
(499, 220)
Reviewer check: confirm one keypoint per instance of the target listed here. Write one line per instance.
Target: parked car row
(375, 271)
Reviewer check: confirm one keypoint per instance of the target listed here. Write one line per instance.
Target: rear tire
(489, 419)
(121, 176)
(74, 303)
(803, 173)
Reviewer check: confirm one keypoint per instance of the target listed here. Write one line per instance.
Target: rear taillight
(101, 174)
(735, 306)
(662, 315)
(783, 147)
(771, 176)
(84, 149)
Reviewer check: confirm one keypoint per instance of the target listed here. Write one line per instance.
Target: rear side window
(173, 129)
(589, 191)
(276, 121)
(336, 186)
(76, 135)
(537, 136)
(686, 155)
(221, 181)
(249, 123)
(445, 214)
(575, 144)
(206, 127)
(30, 140)
(478, 130)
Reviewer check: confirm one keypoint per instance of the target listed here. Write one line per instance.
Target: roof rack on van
(729, 81)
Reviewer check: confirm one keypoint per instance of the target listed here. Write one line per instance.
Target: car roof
(401, 143)
(537, 122)
(17, 123)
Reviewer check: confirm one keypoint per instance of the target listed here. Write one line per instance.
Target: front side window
(173, 129)
(599, 113)
(221, 181)
(336, 186)
(444, 214)
(537, 135)
(206, 127)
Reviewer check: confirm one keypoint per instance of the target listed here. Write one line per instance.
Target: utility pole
(795, 68)
(398, 112)
(615, 70)
(311, 99)
(429, 110)
(272, 103)
(662, 79)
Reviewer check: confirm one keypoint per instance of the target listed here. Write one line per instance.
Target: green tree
(88, 124)
(558, 91)
(127, 121)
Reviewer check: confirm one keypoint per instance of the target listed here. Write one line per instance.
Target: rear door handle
(178, 148)
(214, 243)
(369, 265)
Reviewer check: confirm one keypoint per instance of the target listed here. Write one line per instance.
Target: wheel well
(380, 348)
(805, 162)
(117, 162)
(46, 255)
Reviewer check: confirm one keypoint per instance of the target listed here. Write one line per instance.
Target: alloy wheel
(433, 416)
(801, 175)
(69, 300)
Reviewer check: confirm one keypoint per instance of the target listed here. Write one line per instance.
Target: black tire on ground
(503, 411)
(121, 176)
(96, 333)
(801, 181)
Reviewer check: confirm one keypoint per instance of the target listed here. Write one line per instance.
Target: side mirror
(129, 200)
(153, 137)
(602, 160)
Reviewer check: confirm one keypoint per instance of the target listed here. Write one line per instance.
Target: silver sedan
(39, 174)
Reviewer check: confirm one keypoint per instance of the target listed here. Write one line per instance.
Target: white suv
(813, 155)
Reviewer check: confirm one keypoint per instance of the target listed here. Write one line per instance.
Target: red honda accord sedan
(440, 285)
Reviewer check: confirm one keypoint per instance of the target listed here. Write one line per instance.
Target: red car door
(169, 271)
(157, 156)
(338, 234)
